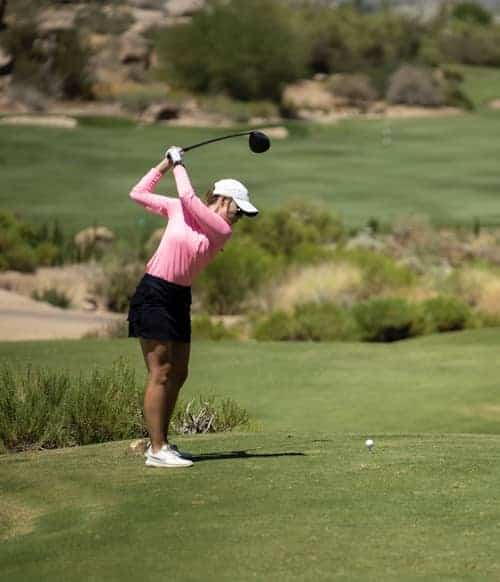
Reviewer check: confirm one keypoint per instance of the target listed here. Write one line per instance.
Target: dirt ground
(22, 318)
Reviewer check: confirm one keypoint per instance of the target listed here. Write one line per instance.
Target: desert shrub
(380, 273)
(238, 272)
(52, 296)
(286, 230)
(24, 246)
(47, 254)
(51, 408)
(20, 257)
(471, 12)
(247, 49)
(388, 320)
(58, 68)
(411, 85)
(42, 408)
(279, 326)
(202, 327)
(469, 44)
(357, 89)
(324, 322)
(444, 314)
(347, 40)
(209, 414)
(118, 283)
(309, 322)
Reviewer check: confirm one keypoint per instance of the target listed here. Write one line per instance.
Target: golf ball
(369, 444)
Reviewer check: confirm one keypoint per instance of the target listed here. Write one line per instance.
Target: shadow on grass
(242, 455)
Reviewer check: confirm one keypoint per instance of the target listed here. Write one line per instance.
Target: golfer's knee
(161, 374)
(168, 373)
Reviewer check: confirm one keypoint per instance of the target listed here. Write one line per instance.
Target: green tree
(248, 50)
(472, 12)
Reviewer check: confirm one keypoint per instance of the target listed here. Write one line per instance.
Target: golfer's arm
(142, 193)
(212, 223)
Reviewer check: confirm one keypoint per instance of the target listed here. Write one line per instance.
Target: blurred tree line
(251, 50)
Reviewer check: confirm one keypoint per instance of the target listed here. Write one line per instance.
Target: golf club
(258, 142)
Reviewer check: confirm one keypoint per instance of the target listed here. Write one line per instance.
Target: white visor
(237, 191)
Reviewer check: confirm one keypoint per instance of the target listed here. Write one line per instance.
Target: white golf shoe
(166, 457)
(174, 449)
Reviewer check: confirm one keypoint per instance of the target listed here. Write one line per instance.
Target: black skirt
(160, 310)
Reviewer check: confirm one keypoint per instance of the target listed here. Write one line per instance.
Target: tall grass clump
(42, 408)
(206, 414)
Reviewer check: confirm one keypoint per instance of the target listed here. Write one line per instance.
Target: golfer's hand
(174, 154)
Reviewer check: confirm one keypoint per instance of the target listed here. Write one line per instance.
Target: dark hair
(210, 197)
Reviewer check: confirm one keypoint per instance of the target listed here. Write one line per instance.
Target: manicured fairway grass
(283, 506)
(444, 168)
(444, 383)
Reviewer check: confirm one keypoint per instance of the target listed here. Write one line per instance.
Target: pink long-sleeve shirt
(194, 233)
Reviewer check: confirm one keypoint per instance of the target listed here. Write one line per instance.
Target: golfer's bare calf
(167, 364)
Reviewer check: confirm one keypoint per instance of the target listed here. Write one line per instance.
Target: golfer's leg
(159, 361)
(176, 378)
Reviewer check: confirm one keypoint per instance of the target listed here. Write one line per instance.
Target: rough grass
(444, 168)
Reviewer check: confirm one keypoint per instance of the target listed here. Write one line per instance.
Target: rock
(53, 20)
(138, 446)
(134, 49)
(161, 112)
(183, 7)
(94, 235)
(308, 95)
(364, 241)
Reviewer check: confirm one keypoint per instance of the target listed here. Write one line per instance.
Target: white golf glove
(174, 154)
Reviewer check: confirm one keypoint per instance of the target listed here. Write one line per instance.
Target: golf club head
(258, 142)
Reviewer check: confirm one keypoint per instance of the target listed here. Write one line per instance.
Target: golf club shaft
(197, 145)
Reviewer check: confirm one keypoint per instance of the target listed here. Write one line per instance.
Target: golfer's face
(233, 212)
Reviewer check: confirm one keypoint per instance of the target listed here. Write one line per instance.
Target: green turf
(283, 506)
(445, 383)
(300, 500)
(444, 168)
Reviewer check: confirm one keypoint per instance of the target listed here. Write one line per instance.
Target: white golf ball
(369, 444)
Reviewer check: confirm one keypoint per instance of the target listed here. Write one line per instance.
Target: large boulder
(178, 8)
(308, 99)
(134, 49)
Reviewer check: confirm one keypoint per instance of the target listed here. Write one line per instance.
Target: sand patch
(41, 120)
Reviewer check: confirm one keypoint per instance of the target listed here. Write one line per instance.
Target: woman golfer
(159, 313)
